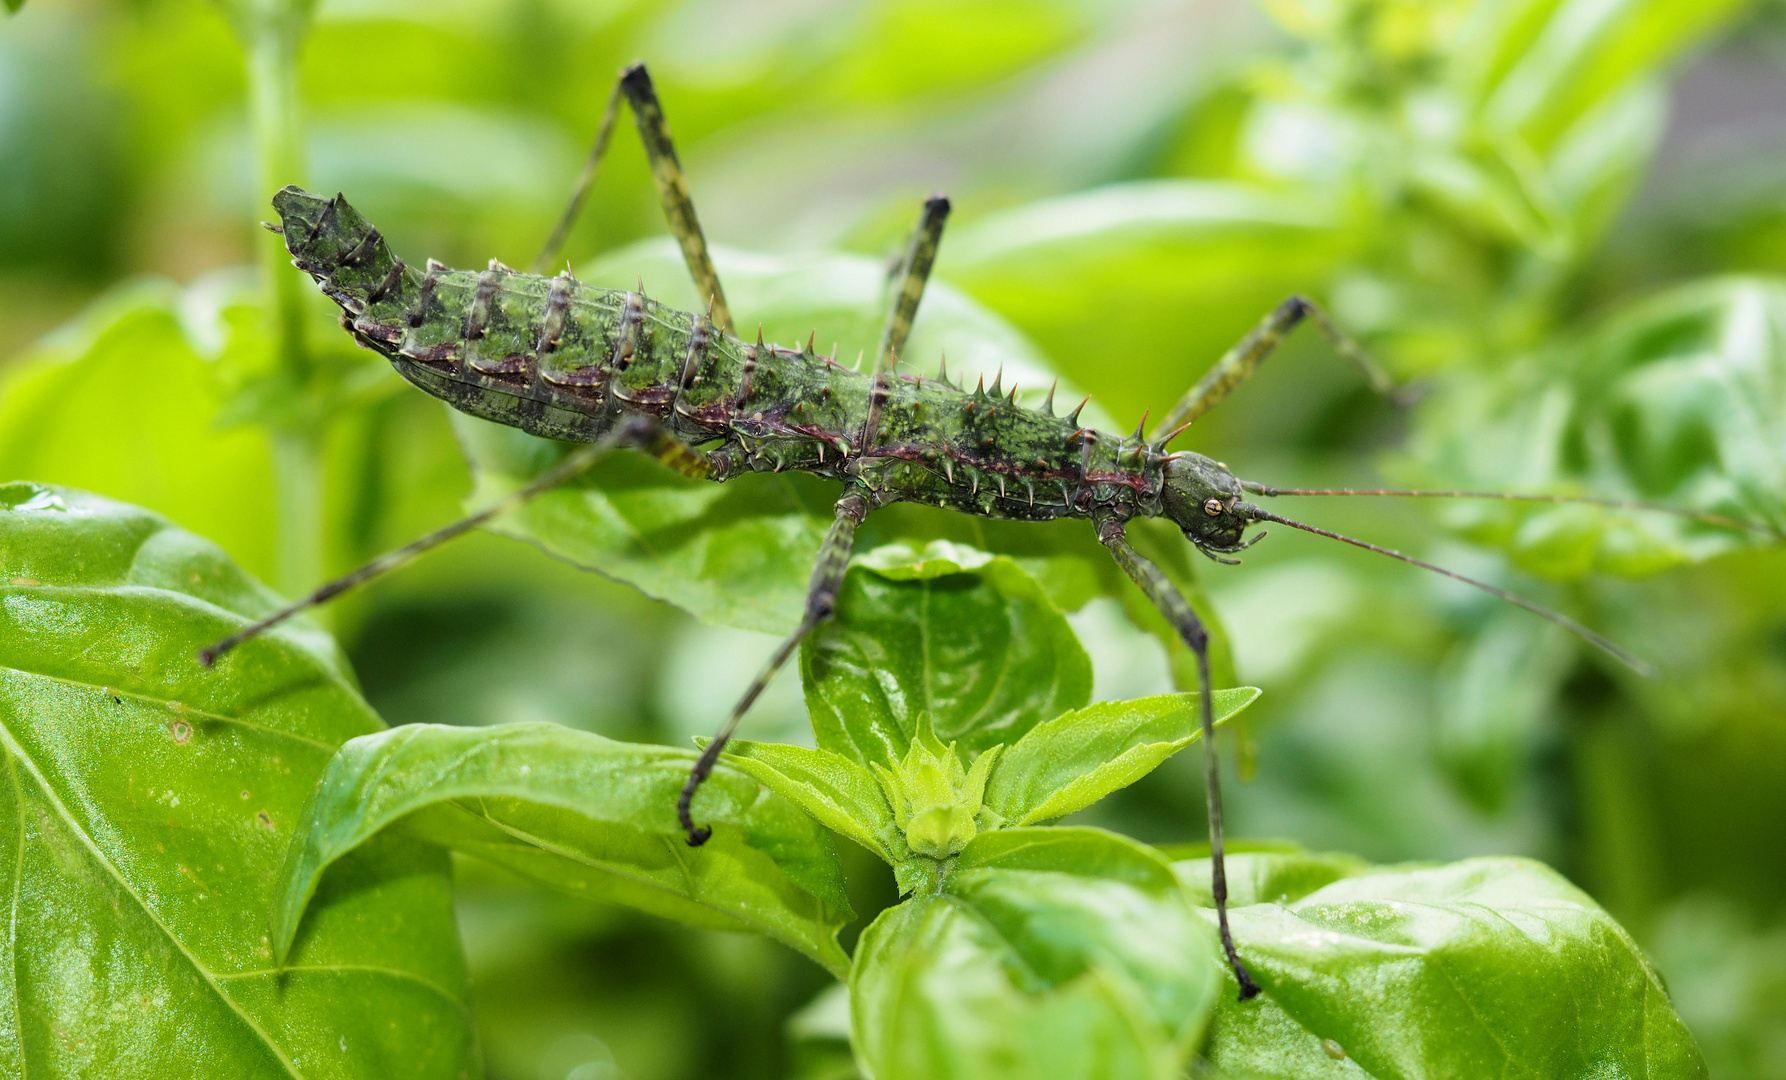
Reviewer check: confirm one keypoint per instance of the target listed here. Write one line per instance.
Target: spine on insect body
(567, 361)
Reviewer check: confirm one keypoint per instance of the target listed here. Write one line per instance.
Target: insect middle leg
(672, 187)
(821, 599)
(637, 432)
(1160, 591)
(1244, 358)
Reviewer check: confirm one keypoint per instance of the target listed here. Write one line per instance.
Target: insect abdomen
(518, 349)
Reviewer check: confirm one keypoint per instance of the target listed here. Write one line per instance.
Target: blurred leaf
(819, 1035)
(1582, 54)
(153, 800)
(60, 175)
(739, 555)
(1036, 973)
(984, 653)
(1161, 542)
(1483, 148)
(1171, 270)
(1069, 762)
(902, 54)
(122, 402)
(1728, 976)
(1494, 699)
(840, 794)
(584, 814)
(1679, 400)
(1488, 966)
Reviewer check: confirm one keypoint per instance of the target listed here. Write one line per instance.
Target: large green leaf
(150, 802)
(741, 554)
(1069, 762)
(1486, 967)
(1015, 971)
(983, 651)
(1679, 400)
(585, 814)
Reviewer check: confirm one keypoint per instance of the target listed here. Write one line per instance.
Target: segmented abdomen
(563, 360)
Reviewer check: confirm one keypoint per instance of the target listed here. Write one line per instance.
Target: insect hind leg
(634, 86)
(821, 599)
(638, 432)
(1171, 603)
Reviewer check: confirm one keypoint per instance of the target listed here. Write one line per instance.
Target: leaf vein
(17, 753)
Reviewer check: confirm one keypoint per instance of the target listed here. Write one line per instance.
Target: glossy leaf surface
(585, 814)
(1069, 762)
(984, 652)
(840, 794)
(1021, 972)
(1485, 967)
(150, 802)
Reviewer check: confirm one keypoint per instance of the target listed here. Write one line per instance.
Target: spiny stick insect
(609, 369)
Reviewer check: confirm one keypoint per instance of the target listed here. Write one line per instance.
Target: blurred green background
(1561, 217)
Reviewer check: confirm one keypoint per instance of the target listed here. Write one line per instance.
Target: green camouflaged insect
(563, 360)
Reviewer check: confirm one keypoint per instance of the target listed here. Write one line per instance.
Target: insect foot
(936, 803)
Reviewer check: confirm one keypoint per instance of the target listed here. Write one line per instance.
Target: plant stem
(272, 33)
(272, 43)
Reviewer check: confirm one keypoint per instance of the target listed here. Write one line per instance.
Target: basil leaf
(585, 814)
(1069, 762)
(149, 801)
(983, 651)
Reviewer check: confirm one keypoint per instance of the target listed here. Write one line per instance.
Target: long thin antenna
(1537, 609)
(1590, 500)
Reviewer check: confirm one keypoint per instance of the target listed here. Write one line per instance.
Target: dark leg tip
(697, 837)
(207, 657)
(1248, 988)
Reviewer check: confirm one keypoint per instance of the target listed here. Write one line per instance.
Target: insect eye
(1213, 507)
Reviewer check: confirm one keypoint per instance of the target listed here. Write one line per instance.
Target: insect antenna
(1720, 520)
(1535, 608)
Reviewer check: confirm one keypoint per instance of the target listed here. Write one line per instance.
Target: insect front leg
(638, 432)
(635, 87)
(821, 599)
(1244, 358)
(1160, 591)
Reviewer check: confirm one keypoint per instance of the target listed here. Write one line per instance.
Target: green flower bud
(936, 803)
